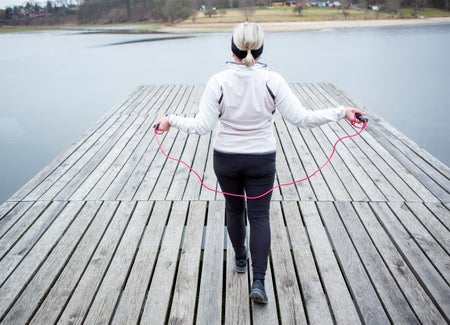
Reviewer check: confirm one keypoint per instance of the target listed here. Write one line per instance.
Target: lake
(54, 85)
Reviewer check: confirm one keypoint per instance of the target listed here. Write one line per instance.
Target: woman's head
(247, 42)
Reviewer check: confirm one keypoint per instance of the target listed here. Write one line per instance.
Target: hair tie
(243, 54)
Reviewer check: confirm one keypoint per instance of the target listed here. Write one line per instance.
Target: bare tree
(248, 8)
(393, 6)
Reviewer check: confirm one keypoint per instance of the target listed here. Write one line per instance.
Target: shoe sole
(240, 269)
(259, 297)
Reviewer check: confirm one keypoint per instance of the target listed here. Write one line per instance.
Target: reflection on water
(54, 85)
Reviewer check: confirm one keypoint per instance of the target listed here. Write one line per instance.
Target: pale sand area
(301, 26)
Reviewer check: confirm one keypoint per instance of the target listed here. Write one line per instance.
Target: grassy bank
(228, 17)
(286, 14)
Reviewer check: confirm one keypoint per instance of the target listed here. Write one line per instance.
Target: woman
(243, 98)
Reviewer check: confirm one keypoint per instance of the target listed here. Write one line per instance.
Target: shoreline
(227, 27)
(273, 27)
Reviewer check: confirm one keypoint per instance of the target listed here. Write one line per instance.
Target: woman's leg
(260, 179)
(227, 172)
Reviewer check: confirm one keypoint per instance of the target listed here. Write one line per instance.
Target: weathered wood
(344, 311)
(113, 232)
(237, 304)
(54, 303)
(35, 252)
(182, 309)
(26, 217)
(35, 291)
(416, 295)
(159, 293)
(413, 255)
(128, 310)
(358, 256)
(81, 299)
(288, 292)
(210, 293)
(315, 300)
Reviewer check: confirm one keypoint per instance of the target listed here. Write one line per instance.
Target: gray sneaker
(258, 292)
(240, 265)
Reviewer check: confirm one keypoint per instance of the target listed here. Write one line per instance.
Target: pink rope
(361, 129)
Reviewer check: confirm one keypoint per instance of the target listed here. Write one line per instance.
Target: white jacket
(244, 99)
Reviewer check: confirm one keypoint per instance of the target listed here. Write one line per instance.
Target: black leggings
(252, 175)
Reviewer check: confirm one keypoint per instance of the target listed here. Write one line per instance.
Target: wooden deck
(112, 232)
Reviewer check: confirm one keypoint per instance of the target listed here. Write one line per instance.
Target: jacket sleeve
(208, 112)
(293, 111)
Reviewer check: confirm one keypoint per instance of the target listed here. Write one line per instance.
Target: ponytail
(247, 43)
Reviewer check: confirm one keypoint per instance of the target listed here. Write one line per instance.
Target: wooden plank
(193, 184)
(237, 304)
(72, 178)
(390, 183)
(94, 179)
(129, 308)
(29, 300)
(423, 269)
(16, 282)
(124, 167)
(364, 268)
(40, 180)
(284, 275)
(103, 306)
(88, 176)
(167, 173)
(13, 224)
(357, 161)
(136, 177)
(437, 255)
(343, 309)
(266, 314)
(60, 292)
(209, 178)
(327, 181)
(150, 179)
(81, 299)
(18, 243)
(388, 151)
(157, 305)
(429, 171)
(182, 309)
(120, 181)
(289, 167)
(131, 101)
(441, 212)
(182, 173)
(123, 164)
(350, 172)
(5, 208)
(139, 106)
(422, 305)
(209, 310)
(315, 301)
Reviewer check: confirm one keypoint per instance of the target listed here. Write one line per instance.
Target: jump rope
(358, 116)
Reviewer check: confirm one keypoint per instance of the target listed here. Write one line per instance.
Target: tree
(248, 8)
(178, 9)
(393, 6)
(298, 9)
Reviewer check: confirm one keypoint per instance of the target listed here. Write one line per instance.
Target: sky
(12, 3)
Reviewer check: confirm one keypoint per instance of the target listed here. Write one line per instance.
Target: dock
(112, 232)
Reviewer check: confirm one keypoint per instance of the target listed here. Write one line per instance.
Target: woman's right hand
(162, 125)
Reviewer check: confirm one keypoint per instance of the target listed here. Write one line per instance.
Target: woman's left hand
(162, 125)
(350, 114)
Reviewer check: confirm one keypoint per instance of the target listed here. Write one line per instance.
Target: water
(55, 85)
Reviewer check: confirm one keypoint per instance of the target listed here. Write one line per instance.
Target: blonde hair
(247, 37)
